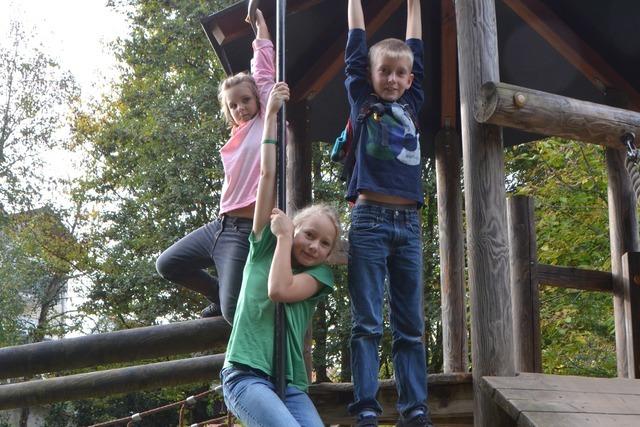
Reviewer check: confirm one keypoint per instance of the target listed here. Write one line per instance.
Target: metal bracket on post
(628, 140)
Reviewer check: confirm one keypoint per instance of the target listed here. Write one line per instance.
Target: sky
(75, 32)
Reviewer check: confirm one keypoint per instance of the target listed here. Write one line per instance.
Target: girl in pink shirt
(224, 243)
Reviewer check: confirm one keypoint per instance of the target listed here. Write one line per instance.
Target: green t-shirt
(251, 342)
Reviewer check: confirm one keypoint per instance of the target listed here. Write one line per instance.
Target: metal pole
(280, 321)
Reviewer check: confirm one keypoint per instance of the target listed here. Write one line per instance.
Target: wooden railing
(527, 275)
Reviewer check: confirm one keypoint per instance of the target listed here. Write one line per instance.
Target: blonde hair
(392, 47)
(319, 209)
(230, 82)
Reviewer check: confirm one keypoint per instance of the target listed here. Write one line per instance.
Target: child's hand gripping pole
(251, 15)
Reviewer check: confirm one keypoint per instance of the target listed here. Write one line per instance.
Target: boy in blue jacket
(384, 86)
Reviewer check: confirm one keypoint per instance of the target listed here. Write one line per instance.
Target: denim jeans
(251, 396)
(386, 243)
(223, 243)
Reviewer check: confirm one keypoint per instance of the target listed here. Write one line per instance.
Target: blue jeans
(385, 243)
(251, 396)
(223, 243)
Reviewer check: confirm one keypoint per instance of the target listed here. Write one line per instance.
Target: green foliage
(38, 255)
(154, 164)
(36, 248)
(569, 183)
(35, 93)
(93, 411)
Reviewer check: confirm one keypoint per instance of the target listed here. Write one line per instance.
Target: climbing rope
(189, 401)
(631, 162)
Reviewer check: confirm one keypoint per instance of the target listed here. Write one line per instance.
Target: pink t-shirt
(241, 154)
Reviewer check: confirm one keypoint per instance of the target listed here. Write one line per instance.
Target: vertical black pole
(280, 323)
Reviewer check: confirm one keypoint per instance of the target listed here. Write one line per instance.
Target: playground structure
(503, 271)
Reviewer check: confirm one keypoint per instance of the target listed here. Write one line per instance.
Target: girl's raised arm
(266, 197)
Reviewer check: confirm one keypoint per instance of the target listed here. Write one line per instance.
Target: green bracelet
(269, 141)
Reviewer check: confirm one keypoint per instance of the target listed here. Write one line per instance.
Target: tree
(154, 164)
(36, 95)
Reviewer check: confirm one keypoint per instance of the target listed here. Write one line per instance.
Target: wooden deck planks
(534, 400)
(559, 419)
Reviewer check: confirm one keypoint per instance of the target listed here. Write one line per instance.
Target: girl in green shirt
(286, 265)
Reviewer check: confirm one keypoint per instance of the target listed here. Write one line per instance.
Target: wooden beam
(485, 204)
(525, 300)
(570, 46)
(451, 236)
(448, 66)
(450, 229)
(631, 280)
(623, 237)
(554, 115)
(450, 400)
(450, 395)
(110, 382)
(574, 278)
(331, 62)
(121, 346)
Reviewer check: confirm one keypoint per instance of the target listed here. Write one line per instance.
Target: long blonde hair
(230, 82)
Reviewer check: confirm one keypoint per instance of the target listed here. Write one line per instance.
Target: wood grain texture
(121, 346)
(524, 285)
(554, 115)
(487, 242)
(534, 400)
(631, 285)
(452, 282)
(110, 382)
(623, 235)
(574, 278)
(450, 400)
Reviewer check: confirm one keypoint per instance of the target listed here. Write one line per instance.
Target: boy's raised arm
(414, 20)
(355, 14)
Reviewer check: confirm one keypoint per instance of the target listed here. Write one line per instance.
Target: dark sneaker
(212, 310)
(370, 421)
(420, 420)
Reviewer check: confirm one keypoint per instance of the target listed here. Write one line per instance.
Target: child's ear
(410, 79)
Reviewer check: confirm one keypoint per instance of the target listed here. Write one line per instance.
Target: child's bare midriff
(245, 212)
(385, 198)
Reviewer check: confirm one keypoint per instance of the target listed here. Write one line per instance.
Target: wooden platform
(450, 400)
(566, 401)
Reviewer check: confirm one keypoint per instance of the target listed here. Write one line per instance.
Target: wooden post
(299, 153)
(448, 158)
(554, 115)
(487, 241)
(453, 296)
(113, 347)
(524, 285)
(623, 234)
(631, 283)
(109, 382)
